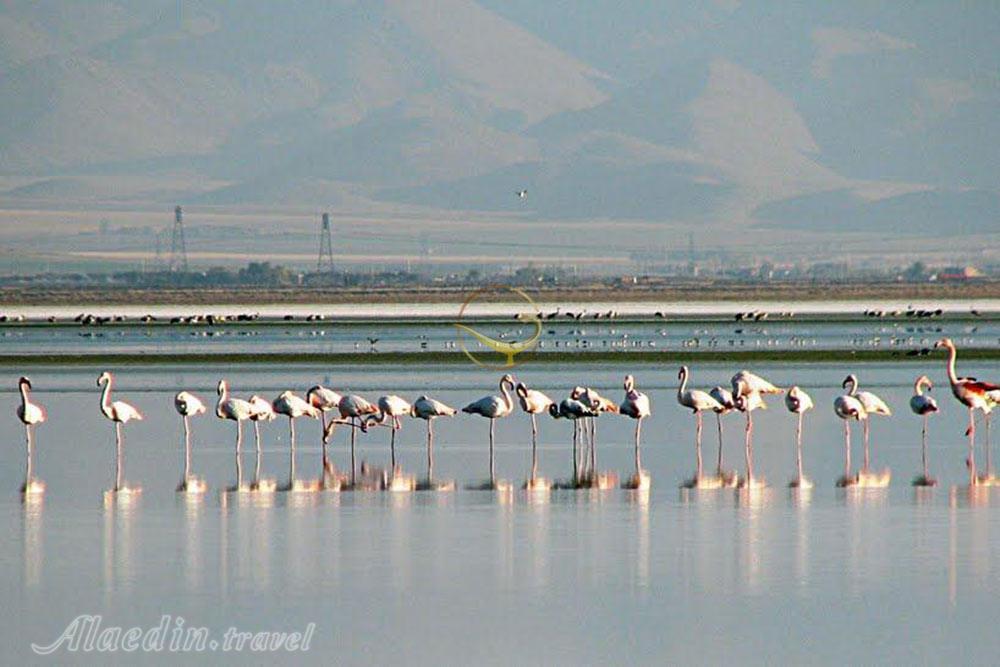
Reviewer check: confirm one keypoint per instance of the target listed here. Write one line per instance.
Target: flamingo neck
(223, 397)
(506, 395)
(24, 397)
(106, 396)
(853, 381)
(952, 376)
(682, 387)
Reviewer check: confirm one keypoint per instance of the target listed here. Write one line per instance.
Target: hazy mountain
(839, 116)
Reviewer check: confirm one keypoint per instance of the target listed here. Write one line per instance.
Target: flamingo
(974, 395)
(848, 407)
(494, 407)
(394, 407)
(747, 401)
(636, 406)
(923, 405)
(293, 406)
(600, 404)
(697, 401)
(574, 410)
(120, 413)
(428, 409)
(355, 408)
(873, 406)
(30, 414)
(753, 383)
(325, 399)
(237, 410)
(188, 405)
(533, 402)
(726, 405)
(261, 411)
(798, 401)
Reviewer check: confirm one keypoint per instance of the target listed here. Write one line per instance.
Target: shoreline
(459, 358)
(687, 290)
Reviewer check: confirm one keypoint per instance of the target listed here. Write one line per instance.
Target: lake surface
(894, 575)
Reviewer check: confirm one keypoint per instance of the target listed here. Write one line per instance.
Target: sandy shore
(676, 292)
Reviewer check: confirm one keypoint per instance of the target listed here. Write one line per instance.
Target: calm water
(557, 335)
(833, 576)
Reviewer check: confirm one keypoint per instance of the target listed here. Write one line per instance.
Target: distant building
(952, 273)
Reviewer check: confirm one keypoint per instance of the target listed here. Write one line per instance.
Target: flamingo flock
(582, 407)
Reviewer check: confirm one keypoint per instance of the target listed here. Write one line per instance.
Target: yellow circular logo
(509, 349)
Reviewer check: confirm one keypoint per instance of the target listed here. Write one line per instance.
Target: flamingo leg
(353, 439)
(747, 447)
(256, 433)
(430, 449)
(187, 450)
(493, 476)
(534, 446)
(697, 446)
(866, 429)
(239, 454)
(30, 451)
(118, 456)
(847, 449)
(798, 447)
(322, 438)
(291, 452)
(593, 446)
(638, 459)
(923, 447)
(989, 446)
(392, 448)
(576, 457)
(972, 448)
(718, 419)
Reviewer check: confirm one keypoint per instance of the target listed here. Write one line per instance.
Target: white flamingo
(428, 409)
(798, 402)
(576, 411)
(873, 406)
(753, 383)
(923, 405)
(724, 397)
(261, 411)
(120, 413)
(534, 403)
(494, 407)
(974, 395)
(355, 408)
(31, 414)
(848, 407)
(600, 404)
(392, 407)
(697, 401)
(636, 406)
(325, 399)
(237, 410)
(747, 401)
(188, 405)
(293, 406)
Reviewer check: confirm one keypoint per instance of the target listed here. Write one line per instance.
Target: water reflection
(638, 500)
(119, 541)
(194, 567)
(32, 529)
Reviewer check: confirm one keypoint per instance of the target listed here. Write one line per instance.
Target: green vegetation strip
(458, 358)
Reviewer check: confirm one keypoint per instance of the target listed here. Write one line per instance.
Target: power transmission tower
(178, 248)
(325, 244)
